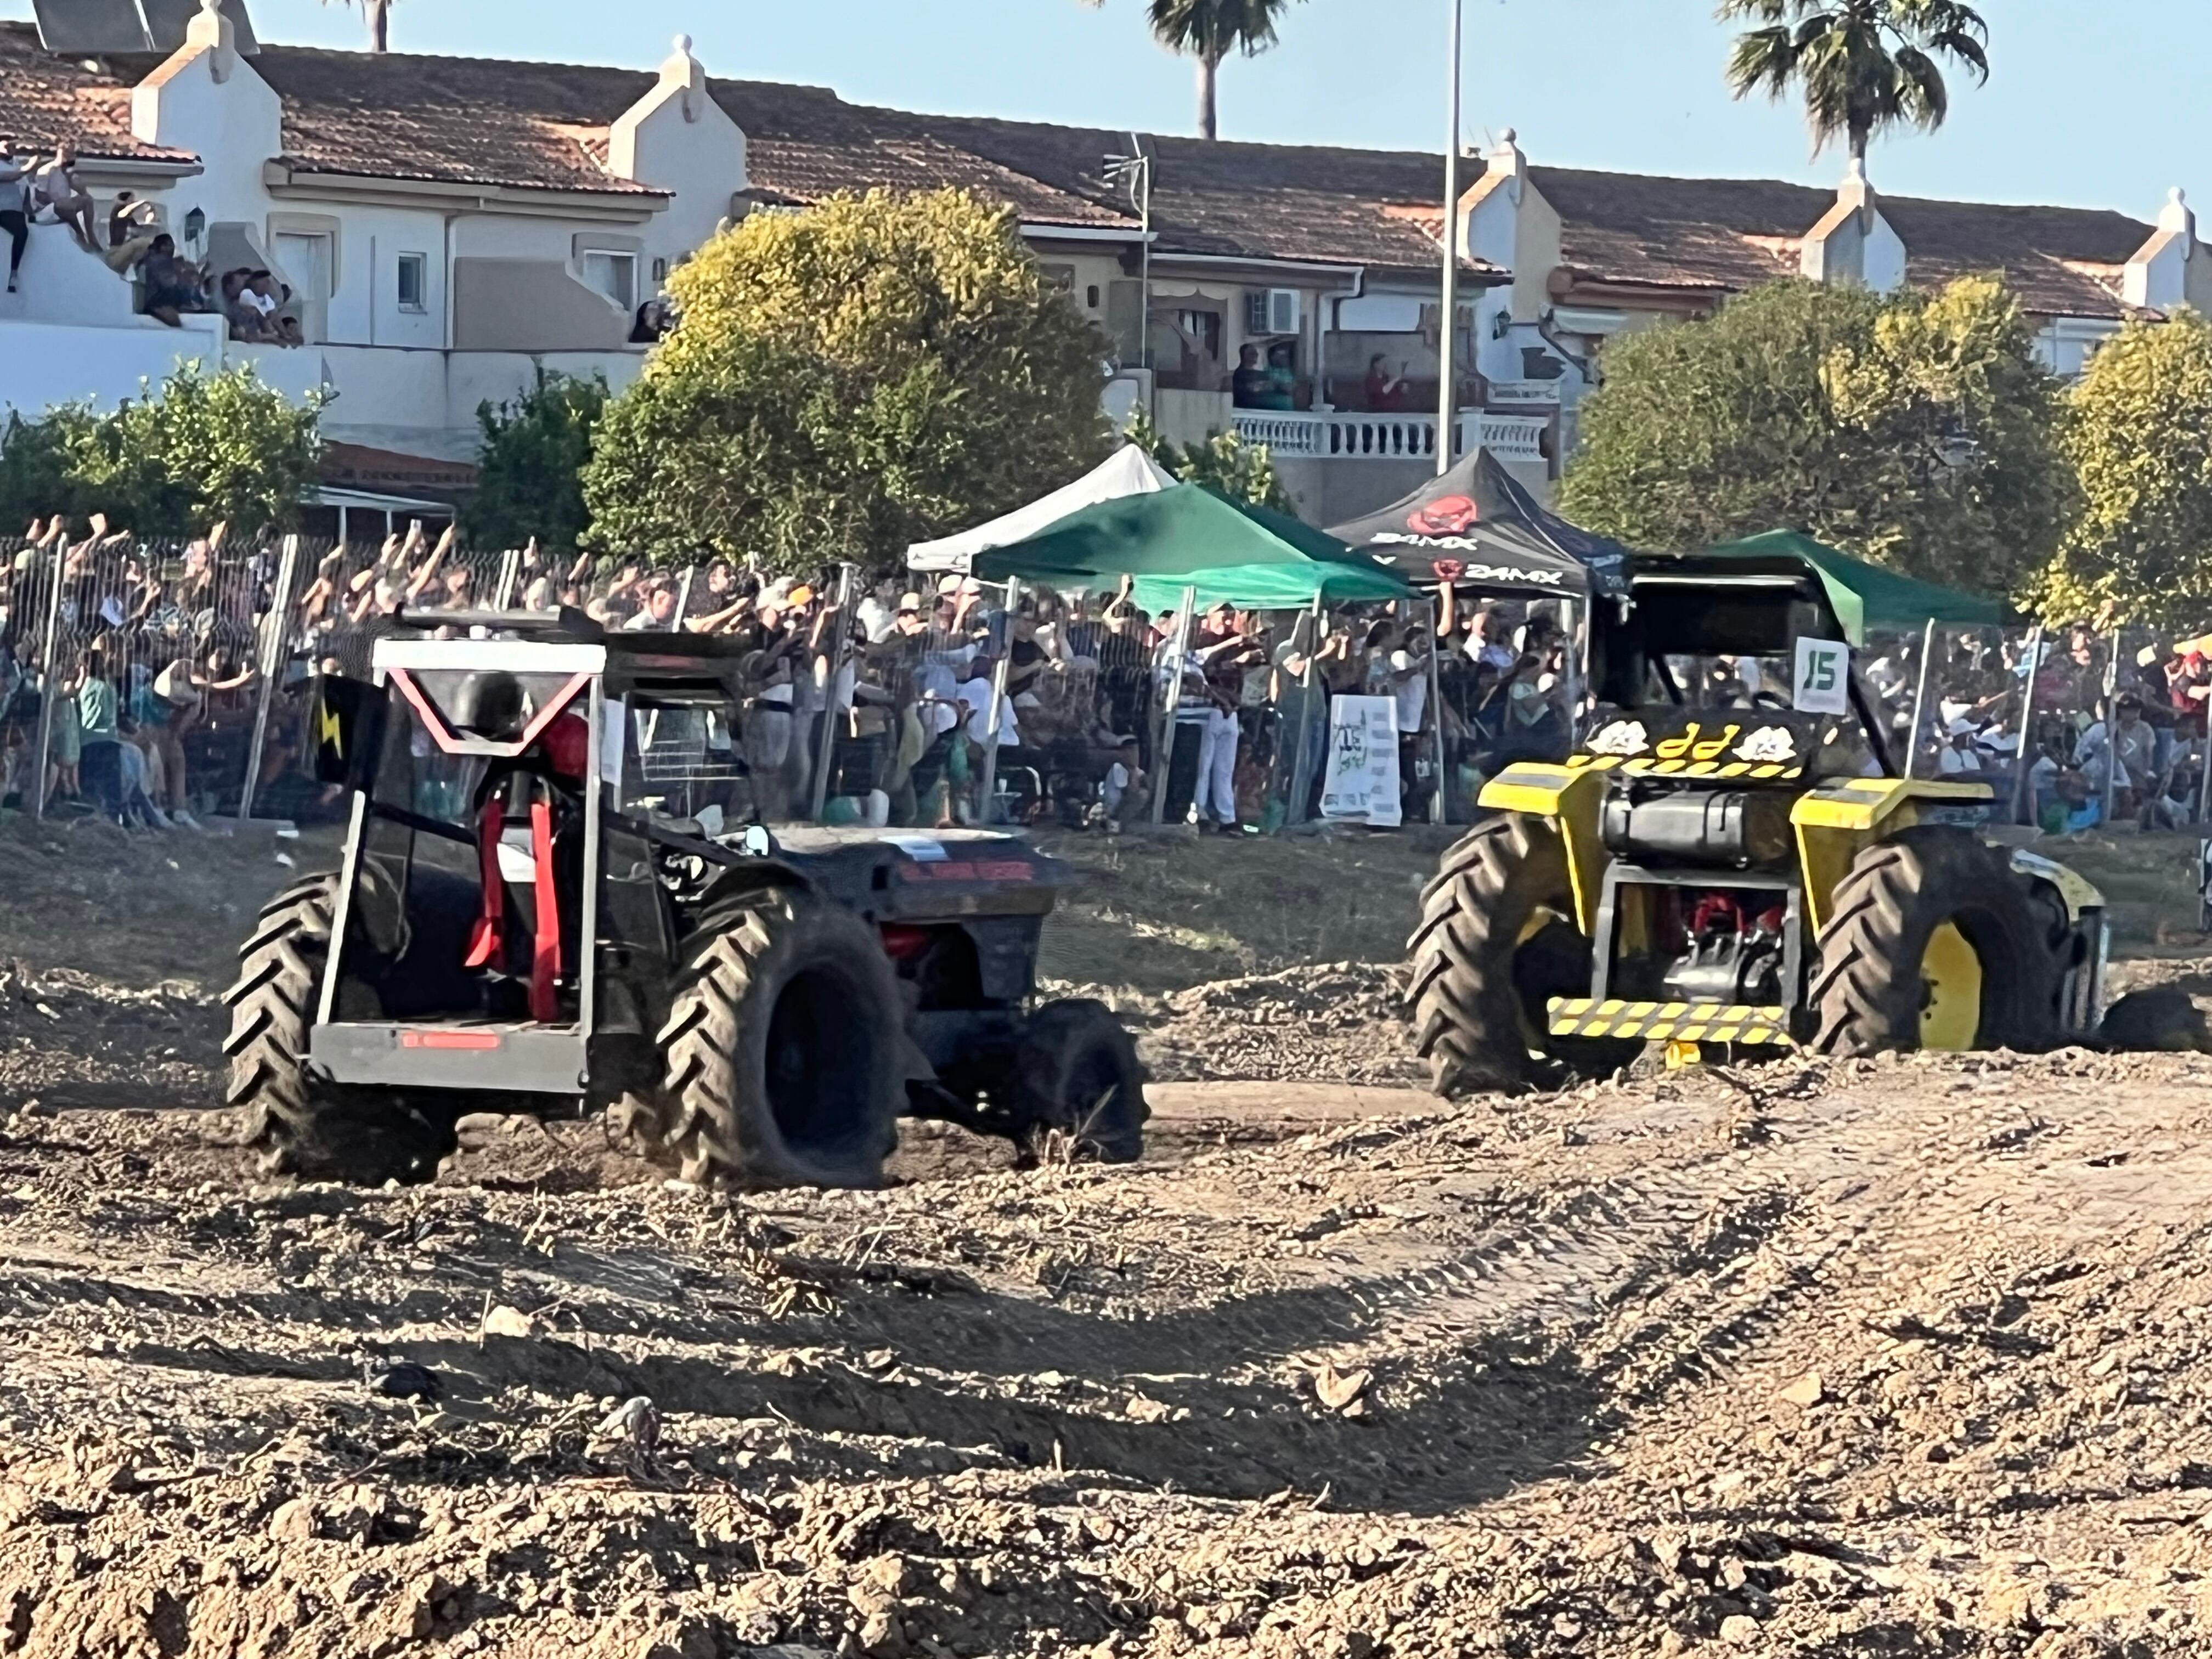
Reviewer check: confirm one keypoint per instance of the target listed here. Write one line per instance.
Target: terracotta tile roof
(457, 120)
(1255, 201)
(45, 99)
(1731, 234)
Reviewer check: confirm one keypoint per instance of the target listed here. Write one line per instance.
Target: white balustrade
(1351, 435)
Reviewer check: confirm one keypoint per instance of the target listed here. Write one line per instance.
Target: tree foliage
(1918, 431)
(168, 463)
(530, 464)
(1242, 471)
(2139, 440)
(1864, 66)
(878, 370)
(1208, 31)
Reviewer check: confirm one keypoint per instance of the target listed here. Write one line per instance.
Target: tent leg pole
(998, 706)
(1171, 694)
(1920, 698)
(2023, 753)
(1436, 811)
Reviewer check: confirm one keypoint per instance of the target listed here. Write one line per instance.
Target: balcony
(1296, 435)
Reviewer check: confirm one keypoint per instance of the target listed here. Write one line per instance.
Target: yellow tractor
(1731, 863)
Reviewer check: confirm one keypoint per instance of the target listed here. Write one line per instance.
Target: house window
(1059, 276)
(660, 270)
(613, 275)
(1091, 296)
(413, 282)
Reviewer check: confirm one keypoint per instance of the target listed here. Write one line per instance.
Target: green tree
(1208, 31)
(531, 457)
(1864, 66)
(2139, 438)
(1242, 471)
(1918, 431)
(878, 370)
(167, 463)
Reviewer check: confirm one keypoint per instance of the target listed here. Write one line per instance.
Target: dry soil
(1876, 1358)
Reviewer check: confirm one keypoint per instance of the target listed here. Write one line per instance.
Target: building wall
(51, 363)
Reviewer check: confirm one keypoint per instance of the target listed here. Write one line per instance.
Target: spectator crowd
(882, 707)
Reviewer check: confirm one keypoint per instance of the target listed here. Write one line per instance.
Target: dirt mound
(1340, 1022)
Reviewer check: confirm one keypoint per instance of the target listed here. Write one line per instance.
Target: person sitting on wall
(59, 193)
(131, 228)
(173, 284)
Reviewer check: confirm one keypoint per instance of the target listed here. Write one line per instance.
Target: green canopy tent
(1865, 596)
(1190, 536)
(1186, 549)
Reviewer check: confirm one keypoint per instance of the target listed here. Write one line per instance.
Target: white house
(449, 227)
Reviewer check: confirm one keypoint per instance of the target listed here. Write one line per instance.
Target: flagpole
(1447, 326)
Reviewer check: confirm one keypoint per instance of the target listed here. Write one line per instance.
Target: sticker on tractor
(1769, 743)
(1824, 677)
(1621, 738)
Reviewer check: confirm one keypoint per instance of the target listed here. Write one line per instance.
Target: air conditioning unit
(1273, 310)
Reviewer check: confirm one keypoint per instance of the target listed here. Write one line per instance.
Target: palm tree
(1864, 66)
(1209, 30)
(378, 13)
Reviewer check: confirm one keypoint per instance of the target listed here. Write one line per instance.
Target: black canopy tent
(1478, 526)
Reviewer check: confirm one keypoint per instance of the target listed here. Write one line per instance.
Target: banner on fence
(1361, 782)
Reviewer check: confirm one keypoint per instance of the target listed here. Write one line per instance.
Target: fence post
(51, 683)
(1163, 754)
(2023, 760)
(1920, 698)
(682, 600)
(827, 749)
(276, 643)
(989, 791)
(2111, 718)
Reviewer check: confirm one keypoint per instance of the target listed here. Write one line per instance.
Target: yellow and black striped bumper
(1677, 1022)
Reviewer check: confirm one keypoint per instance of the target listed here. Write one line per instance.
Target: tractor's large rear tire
(785, 1048)
(1076, 1074)
(1932, 942)
(303, 1127)
(1494, 946)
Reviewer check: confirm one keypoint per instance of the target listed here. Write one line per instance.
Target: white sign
(1362, 780)
(614, 730)
(1824, 677)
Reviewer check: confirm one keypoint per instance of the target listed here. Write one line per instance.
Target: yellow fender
(1568, 798)
(1838, 821)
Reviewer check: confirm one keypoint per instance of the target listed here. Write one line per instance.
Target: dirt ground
(1816, 1358)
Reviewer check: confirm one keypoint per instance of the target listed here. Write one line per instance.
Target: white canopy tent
(1128, 472)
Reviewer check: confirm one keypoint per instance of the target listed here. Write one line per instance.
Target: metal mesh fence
(157, 674)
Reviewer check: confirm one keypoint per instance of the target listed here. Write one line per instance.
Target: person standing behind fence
(64, 745)
(99, 765)
(166, 709)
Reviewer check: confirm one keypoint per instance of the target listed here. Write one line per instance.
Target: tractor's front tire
(1932, 942)
(1494, 946)
(784, 1047)
(1076, 1074)
(313, 1130)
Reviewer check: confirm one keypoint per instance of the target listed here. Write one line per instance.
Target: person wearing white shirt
(975, 696)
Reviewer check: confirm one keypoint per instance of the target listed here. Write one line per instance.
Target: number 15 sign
(1824, 677)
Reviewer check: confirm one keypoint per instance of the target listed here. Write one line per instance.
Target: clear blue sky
(2076, 112)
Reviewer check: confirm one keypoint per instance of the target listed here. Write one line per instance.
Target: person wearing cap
(1960, 753)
